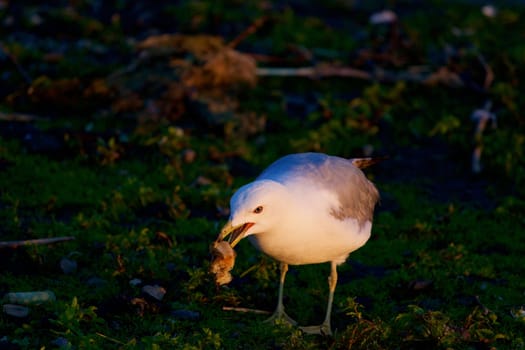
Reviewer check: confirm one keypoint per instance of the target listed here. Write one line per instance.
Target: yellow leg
(279, 310)
(325, 328)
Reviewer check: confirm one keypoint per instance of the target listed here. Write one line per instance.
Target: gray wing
(357, 195)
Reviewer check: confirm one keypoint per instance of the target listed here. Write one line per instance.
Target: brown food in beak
(222, 262)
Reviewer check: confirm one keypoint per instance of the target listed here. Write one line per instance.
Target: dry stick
(247, 32)
(481, 124)
(13, 59)
(125, 70)
(17, 117)
(116, 341)
(489, 73)
(344, 72)
(243, 309)
(262, 58)
(322, 71)
(40, 241)
(315, 72)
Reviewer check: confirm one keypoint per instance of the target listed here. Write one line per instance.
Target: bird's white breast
(308, 234)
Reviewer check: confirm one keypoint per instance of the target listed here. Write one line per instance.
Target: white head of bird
(255, 209)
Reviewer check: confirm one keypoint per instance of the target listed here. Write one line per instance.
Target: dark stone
(186, 315)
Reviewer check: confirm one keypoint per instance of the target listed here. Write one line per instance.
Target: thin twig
(113, 340)
(18, 117)
(323, 71)
(489, 73)
(276, 60)
(40, 241)
(247, 32)
(250, 269)
(246, 310)
(19, 67)
(315, 72)
(125, 70)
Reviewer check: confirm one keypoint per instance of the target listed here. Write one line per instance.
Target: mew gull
(305, 208)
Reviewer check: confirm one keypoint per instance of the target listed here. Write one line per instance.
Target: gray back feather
(357, 195)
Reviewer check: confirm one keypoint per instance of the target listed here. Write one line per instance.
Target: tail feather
(362, 163)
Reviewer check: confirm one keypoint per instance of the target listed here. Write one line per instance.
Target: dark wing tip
(362, 163)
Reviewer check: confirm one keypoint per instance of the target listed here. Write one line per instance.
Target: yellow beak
(236, 233)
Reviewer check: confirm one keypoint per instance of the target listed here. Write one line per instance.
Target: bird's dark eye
(258, 210)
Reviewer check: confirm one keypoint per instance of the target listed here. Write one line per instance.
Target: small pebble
(61, 342)
(202, 181)
(155, 291)
(16, 310)
(68, 266)
(489, 11)
(186, 315)
(383, 17)
(27, 298)
(135, 282)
